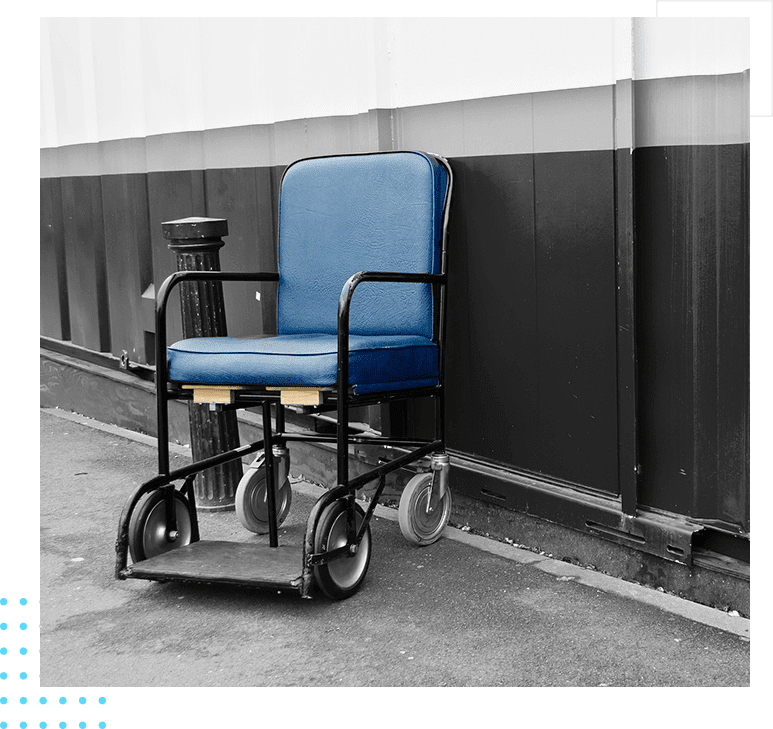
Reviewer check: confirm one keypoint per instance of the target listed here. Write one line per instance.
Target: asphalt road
(445, 615)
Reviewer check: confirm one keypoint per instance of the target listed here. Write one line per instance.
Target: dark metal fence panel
(243, 197)
(491, 365)
(172, 195)
(693, 307)
(576, 322)
(54, 307)
(128, 260)
(627, 390)
(532, 348)
(84, 240)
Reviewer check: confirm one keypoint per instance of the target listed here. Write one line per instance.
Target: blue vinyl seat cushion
(376, 362)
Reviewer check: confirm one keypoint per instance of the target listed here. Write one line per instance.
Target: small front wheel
(423, 514)
(342, 577)
(252, 500)
(148, 533)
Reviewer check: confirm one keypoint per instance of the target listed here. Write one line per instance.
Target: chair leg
(162, 425)
(342, 440)
(162, 411)
(280, 418)
(440, 415)
(273, 527)
(342, 449)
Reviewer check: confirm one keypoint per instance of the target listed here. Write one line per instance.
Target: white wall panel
(104, 79)
(173, 58)
(316, 66)
(72, 77)
(236, 92)
(665, 47)
(119, 83)
(48, 125)
(623, 40)
(449, 59)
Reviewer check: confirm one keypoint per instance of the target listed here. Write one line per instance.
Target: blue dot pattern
(42, 700)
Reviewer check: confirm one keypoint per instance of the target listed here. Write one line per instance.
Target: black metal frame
(340, 398)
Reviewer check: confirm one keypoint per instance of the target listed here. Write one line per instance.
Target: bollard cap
(195, 228)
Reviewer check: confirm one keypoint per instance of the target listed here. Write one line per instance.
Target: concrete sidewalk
(464, 612)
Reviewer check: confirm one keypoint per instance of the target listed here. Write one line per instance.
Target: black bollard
(196, 242)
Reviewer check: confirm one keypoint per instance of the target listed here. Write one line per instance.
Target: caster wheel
(342, 577)
(148, 536)
(423, 517)
(252, 500)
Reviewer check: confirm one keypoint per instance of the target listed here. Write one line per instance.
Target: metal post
(273, 527)
(196, 242)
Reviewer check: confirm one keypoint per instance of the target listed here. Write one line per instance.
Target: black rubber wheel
(342, 577)
(147, 527)
(252, 501)
(421, 522)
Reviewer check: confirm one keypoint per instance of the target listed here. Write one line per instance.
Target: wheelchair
(373, 224)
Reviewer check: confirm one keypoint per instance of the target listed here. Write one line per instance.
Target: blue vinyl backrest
(341, 215)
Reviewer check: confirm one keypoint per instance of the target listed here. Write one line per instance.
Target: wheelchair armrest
(344, 304)
(178, 277)
(381, 276)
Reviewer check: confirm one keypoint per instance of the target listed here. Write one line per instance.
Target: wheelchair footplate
(234, 563)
